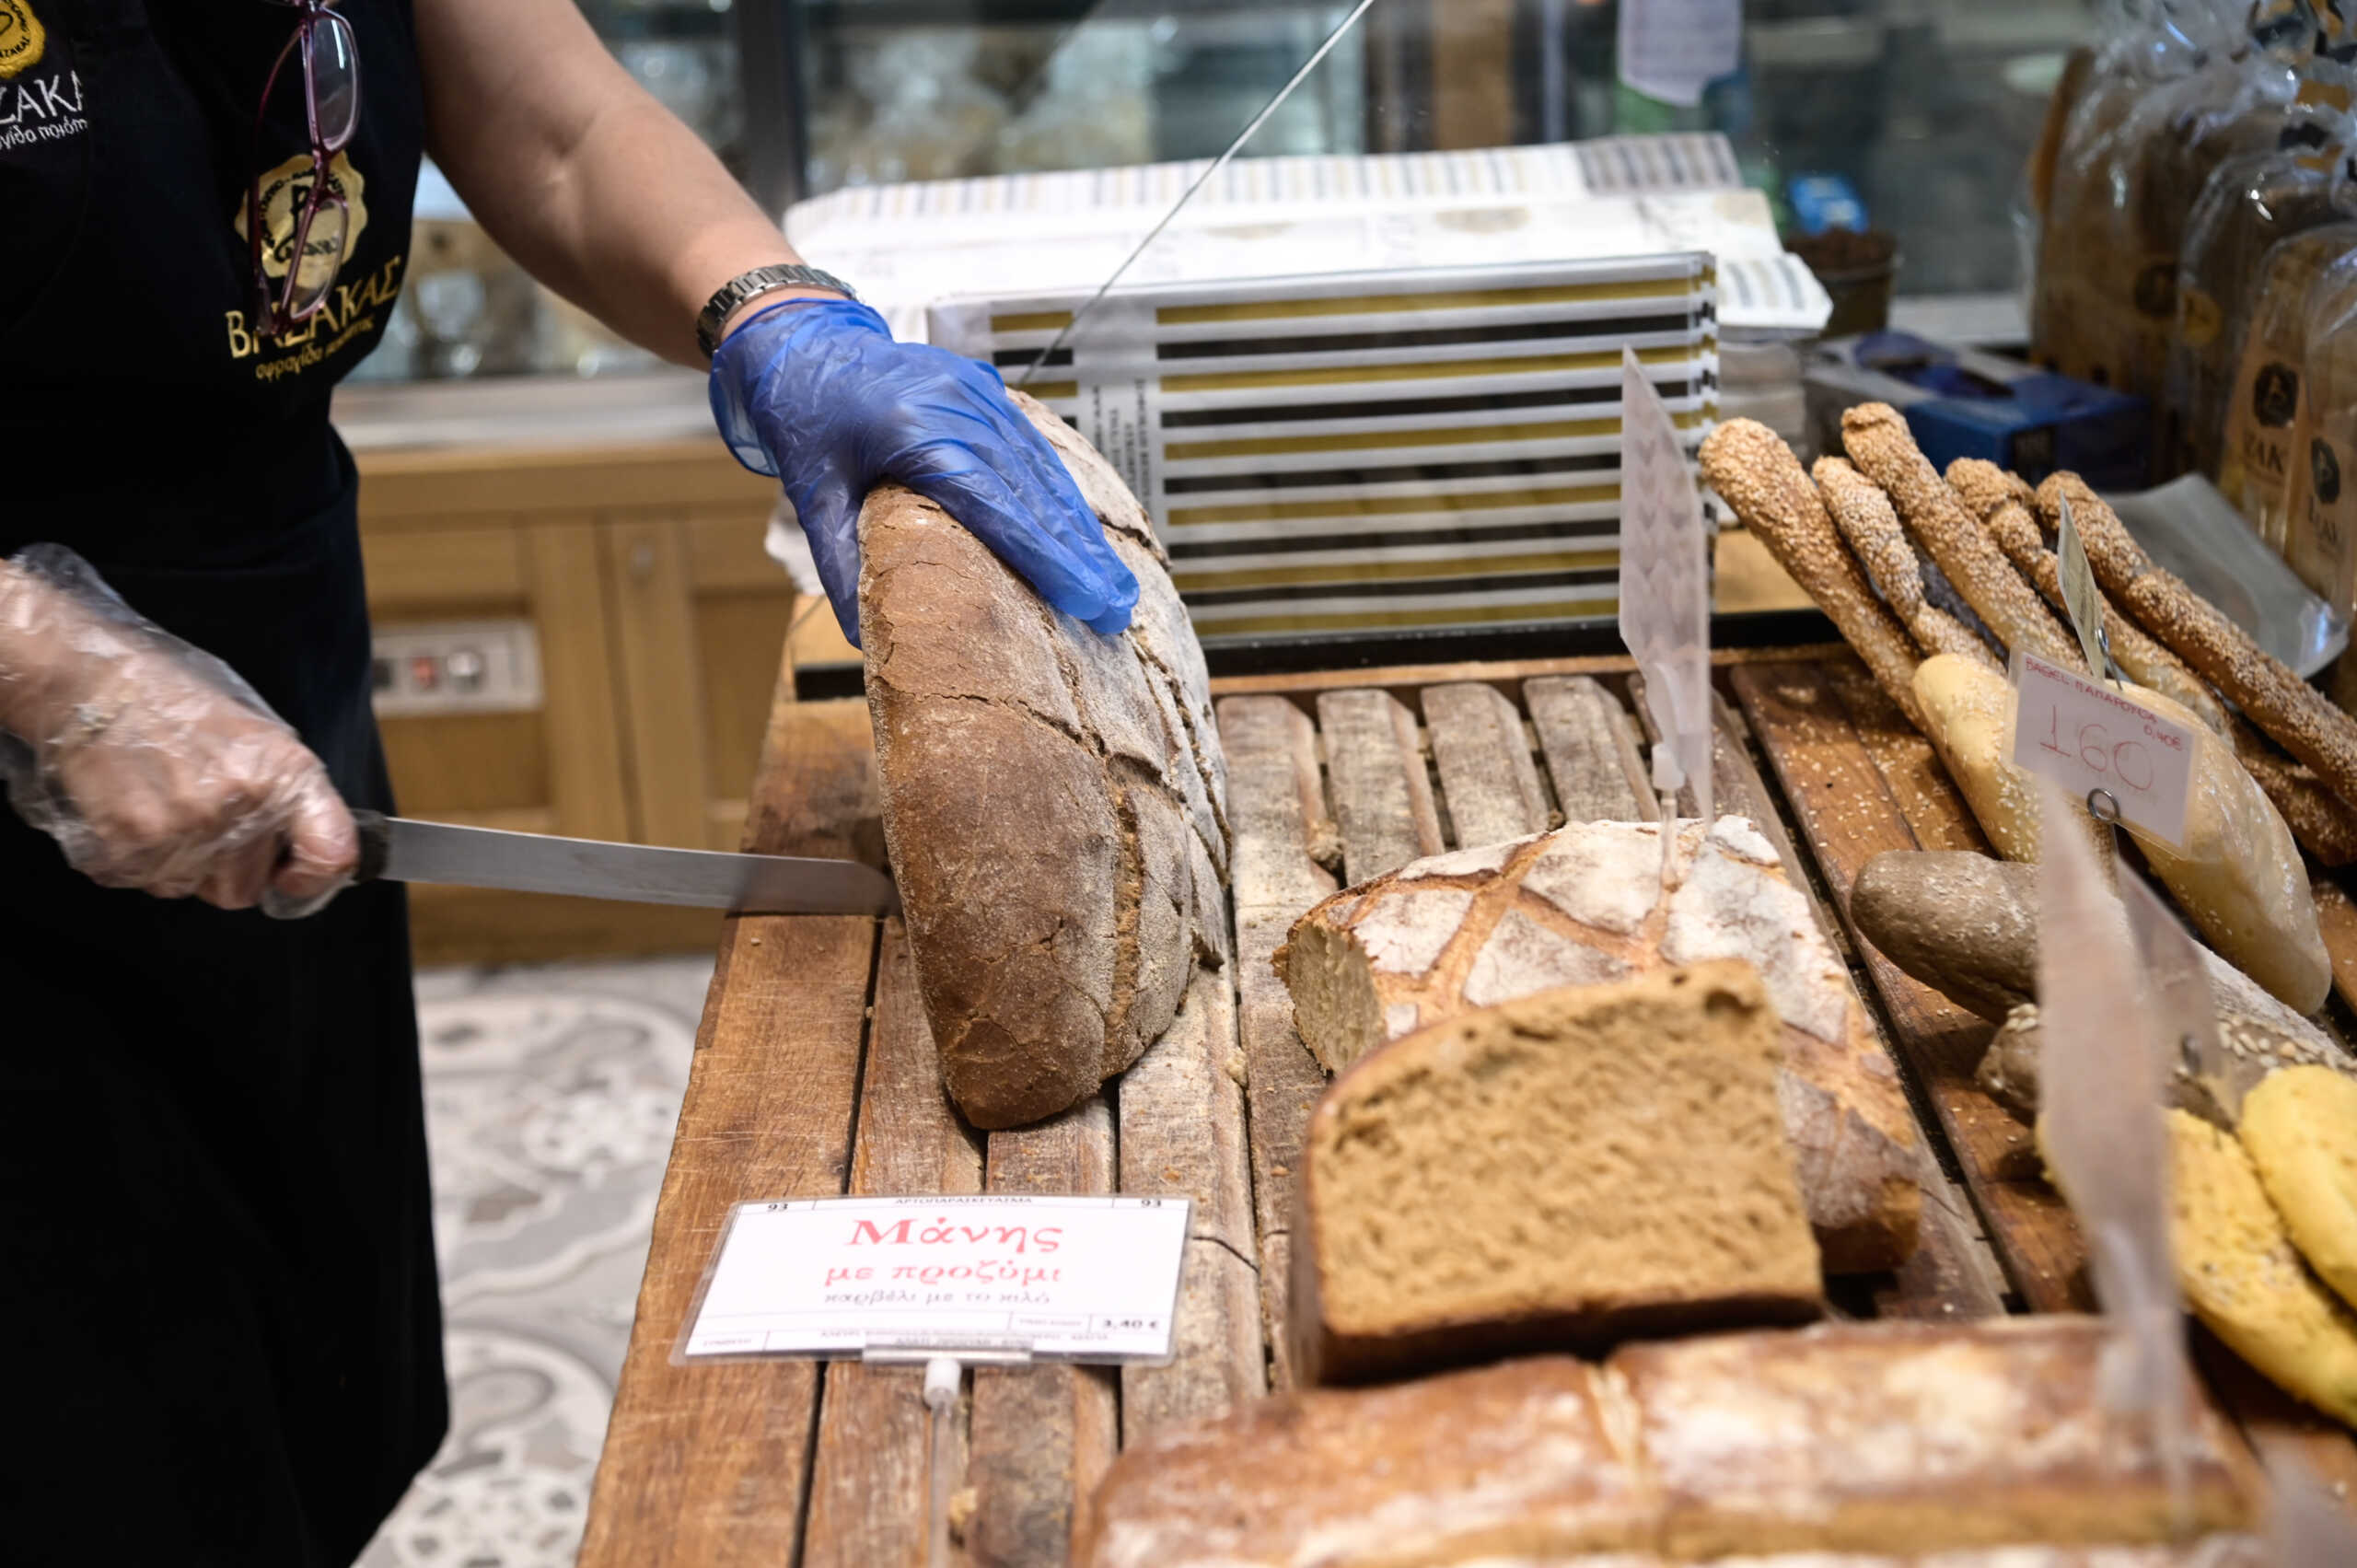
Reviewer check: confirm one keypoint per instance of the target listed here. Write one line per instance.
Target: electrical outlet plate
(425, 668)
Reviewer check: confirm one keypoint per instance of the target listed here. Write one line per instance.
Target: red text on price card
(2085, 736)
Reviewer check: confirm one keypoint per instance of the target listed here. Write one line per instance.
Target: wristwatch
(761, 279)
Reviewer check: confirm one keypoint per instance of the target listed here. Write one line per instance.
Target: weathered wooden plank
(1919, 783)
(1403, 681)
(1273, 797)
(869, 1485)
(1583, 732)
(1183, 1135)
(1487, 777)
(1040, 1435)
(708, 1467)
(1850, 815)
(1383, 800)
(819, 794)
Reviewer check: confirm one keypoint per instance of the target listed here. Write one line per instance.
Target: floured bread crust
(1054, 800)
(1434, 938)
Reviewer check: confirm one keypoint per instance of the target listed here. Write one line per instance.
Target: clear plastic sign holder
(1666, 597)
(2103, 1071)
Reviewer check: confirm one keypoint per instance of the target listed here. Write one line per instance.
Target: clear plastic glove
(151, 763)
(818, 394)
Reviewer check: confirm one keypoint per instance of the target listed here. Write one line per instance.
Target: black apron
(218, 1283)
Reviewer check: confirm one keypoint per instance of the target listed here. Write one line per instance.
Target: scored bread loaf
(1557, 1171)
(1054, 799)
(1915, 1445)
(1584, 904)
(1517, 1458)
(1893, 1437)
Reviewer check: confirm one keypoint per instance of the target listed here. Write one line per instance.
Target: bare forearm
(579, 174)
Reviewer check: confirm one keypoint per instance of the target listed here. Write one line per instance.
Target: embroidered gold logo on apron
(284, 191)
(22, 39)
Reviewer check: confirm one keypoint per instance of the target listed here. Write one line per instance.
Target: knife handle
(376, 845)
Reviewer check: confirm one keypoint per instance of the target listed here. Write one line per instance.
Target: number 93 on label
(2086, 735)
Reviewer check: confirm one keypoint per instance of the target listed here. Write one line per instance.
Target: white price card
(2085, 737)
(1074, 1279)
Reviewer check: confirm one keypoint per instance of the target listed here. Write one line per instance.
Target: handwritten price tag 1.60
(2085, 736)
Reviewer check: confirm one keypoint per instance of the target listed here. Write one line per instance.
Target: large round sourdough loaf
(1054, 799)
(1441, 936)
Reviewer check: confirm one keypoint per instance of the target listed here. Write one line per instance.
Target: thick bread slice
(2300, 1126)
(1054, 800)
(1517, 1459)
(1584, 904)
(1556, 1172)
(2243, 1277)
(1895, 1436)
(2239, 876)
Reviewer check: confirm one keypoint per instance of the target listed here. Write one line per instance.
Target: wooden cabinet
(658, 622)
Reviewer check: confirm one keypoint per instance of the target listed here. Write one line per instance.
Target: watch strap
(759, 280)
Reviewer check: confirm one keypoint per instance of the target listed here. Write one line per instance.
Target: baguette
(1756, 474)
(1876, 438)
(2269, 692)
(2238, 876)
(1862, 515)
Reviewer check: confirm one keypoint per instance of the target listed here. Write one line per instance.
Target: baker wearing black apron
(216, 1269)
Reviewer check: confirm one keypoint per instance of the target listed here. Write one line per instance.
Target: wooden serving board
(814, 1074)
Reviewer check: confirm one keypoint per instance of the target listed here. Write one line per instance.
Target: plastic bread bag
(2250, 204)
(2320, 538)
(2127, 178)
(2256, 449)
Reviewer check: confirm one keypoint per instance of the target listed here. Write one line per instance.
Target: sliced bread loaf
(1054, 800)
(1584, 903)
(1555, 1172)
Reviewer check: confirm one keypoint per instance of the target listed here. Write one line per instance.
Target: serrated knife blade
(404, 851)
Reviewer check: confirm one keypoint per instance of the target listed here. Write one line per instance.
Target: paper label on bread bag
(2322, 544)
(2086, 737)
(1073, 1278)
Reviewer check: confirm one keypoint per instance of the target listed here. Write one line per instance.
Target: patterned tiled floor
(551, 1095)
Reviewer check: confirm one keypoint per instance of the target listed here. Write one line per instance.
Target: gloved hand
(151, 763)
(818, 394)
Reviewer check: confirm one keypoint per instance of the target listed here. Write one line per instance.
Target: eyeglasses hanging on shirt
(311, 249)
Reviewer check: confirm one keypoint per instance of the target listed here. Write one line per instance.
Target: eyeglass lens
(330, 64)
(316, 257)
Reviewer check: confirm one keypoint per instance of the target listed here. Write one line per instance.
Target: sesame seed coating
(1862, 515)
(1756, 474)
(1878, 442)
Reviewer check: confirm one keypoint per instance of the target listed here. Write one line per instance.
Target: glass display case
(1919, 116)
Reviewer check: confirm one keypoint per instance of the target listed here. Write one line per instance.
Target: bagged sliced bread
(1054, 799)
(1559, 1172)
(1584, 904)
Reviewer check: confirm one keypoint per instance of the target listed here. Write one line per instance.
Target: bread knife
(399, 850)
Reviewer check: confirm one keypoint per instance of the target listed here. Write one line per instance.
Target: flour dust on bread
(1584, 904)
(1054, 799)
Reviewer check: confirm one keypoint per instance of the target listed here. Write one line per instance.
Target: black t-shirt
(139, 410)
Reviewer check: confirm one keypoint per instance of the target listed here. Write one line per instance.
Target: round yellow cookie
(2300, 1125)
(2243, 1277)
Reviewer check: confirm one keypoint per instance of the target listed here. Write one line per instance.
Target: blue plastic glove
(818, 394)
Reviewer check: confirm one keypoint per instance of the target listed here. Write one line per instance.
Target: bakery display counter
(815, 1075)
